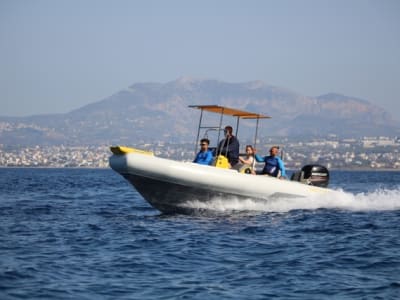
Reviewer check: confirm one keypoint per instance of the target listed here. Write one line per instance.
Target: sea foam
(378, 200)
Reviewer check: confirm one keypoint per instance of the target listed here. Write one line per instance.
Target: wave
(378, 200)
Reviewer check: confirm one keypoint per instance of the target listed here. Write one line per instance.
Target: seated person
(204, 156)
(273, 163)
(229, 147)
(249, 159)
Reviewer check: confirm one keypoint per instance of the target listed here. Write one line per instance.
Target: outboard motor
(313, 175)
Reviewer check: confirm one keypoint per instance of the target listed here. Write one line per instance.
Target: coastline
(288, 169)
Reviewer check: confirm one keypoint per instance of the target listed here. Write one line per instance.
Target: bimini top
(230, 111)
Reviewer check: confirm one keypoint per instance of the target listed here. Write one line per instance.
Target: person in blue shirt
(204, 156)
(274, 165)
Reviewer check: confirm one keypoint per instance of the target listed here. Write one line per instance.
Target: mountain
(148, 112)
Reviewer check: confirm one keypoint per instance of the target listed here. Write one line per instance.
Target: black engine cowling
(313, 175)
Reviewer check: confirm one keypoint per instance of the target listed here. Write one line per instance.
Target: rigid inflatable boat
(168, 185)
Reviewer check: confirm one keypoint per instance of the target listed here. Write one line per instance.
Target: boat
(169, 185)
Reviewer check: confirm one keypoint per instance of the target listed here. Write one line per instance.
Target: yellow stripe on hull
(122, 150)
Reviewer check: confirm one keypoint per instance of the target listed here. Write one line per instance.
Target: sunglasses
(203, 144)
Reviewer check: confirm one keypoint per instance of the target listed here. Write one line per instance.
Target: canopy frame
(224, 110)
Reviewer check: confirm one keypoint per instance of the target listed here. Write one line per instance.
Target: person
(274, 165)
(229, 146)
(249, 159)
(204, 156)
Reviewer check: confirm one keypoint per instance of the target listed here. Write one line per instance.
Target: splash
(378, 200)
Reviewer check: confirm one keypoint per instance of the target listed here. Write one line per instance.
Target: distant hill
(146, 112)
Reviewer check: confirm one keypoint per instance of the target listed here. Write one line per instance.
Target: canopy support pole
(198, 132)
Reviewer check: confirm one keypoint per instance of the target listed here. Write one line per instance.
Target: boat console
(312, 175)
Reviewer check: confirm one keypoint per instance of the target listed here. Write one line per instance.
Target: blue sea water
(87, 234)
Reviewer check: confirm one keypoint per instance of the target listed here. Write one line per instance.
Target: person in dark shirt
(204, 156)
(229, 146)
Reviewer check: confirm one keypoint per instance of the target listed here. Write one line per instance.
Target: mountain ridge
(159, 111)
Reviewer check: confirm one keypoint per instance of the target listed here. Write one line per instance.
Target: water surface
(87, 234)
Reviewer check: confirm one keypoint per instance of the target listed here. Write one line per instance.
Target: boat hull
(172, 197)
(169, 185)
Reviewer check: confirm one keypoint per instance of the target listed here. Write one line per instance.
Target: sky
(59, 55)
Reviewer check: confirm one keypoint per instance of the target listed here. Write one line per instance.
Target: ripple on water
(78, 234)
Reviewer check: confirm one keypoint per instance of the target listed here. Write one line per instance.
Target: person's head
(228, 131)
(204, 144)
(249, 150)
(274, 150)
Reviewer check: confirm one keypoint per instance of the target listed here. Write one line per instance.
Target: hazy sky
(56, 56)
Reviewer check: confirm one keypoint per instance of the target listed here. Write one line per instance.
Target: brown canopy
(230, 111)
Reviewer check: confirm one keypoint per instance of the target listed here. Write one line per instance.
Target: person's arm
(248, 161)
(259, 158)
(243, 161)
(196, 158)
(281, 167)
(209, 158)
(234, 148)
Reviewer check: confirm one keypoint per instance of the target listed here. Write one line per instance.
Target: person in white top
(249, 158)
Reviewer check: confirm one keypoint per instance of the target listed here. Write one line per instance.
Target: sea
(87, 234)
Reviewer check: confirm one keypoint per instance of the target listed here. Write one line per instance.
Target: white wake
(378, 200)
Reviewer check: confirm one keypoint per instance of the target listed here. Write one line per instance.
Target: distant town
(376, 153)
